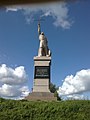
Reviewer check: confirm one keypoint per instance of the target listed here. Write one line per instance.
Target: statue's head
(42, 33)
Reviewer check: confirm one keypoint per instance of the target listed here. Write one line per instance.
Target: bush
(40, 110)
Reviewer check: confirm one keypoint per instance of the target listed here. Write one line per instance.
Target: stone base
(41, 85)
(42, 96)
(41, 80)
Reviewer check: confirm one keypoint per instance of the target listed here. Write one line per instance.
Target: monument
(42, 63)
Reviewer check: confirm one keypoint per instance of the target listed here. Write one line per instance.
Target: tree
(53, 89)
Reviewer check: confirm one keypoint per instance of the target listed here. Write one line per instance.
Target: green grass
(40, 110)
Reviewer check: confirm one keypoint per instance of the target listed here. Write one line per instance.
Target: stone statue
(43, 48)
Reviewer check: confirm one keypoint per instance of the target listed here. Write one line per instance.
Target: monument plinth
(41, 74)
(42, 63)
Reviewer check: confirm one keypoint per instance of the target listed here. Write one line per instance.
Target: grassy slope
(63, 110)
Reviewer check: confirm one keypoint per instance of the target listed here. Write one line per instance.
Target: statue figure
(43, 48)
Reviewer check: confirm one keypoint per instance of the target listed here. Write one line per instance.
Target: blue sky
(70, 45)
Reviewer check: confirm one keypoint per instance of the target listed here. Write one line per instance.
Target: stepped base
(43, 96)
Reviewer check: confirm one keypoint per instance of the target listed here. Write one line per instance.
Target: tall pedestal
(41, 83)
(41, 74)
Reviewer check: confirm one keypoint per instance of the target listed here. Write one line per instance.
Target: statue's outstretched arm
(39, 29)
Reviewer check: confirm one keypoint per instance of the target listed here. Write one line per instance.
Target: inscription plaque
(42, 72)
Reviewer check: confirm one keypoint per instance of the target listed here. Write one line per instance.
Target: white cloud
(9, 91)
(13, 82)
(13, 92)
(75, 86)
(76, 97)
(58, 11)
(11, 9)
(11, 76)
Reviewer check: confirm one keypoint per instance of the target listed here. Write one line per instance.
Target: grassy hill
(62, 110)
